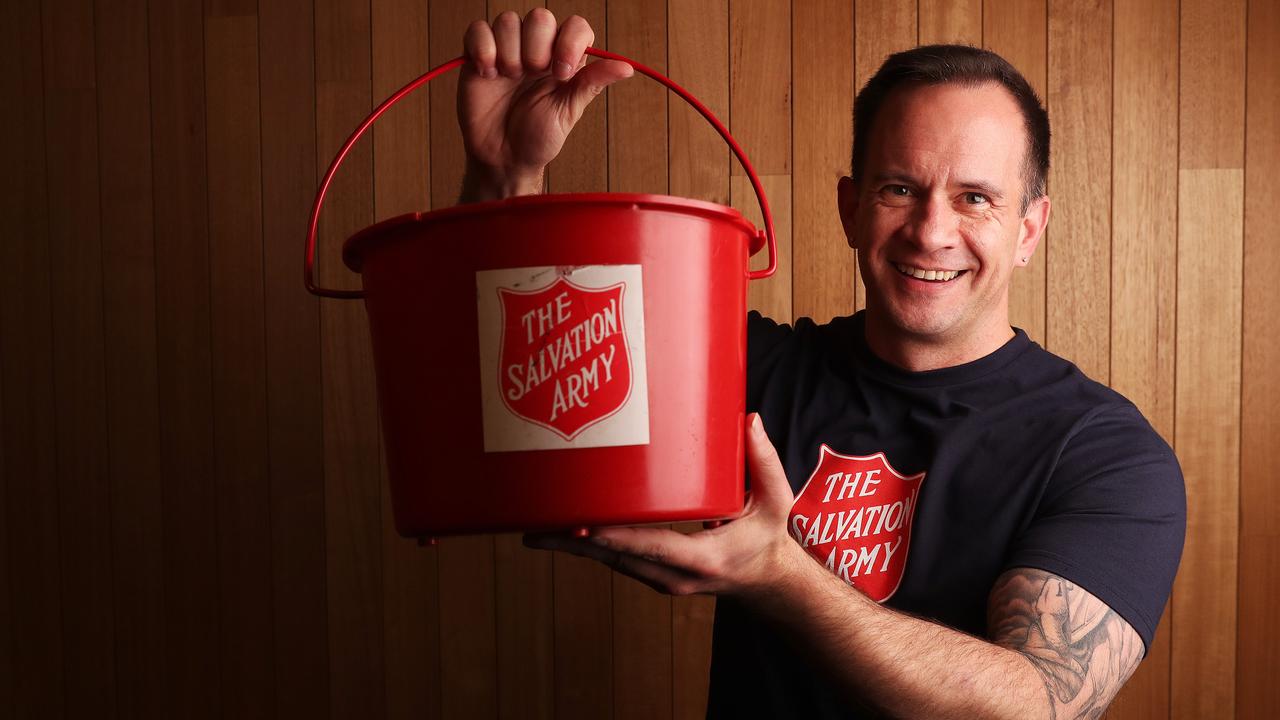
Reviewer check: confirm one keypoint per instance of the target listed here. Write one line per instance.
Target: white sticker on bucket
(562, 358)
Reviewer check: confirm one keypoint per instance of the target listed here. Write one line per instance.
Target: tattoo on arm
(1081, 648)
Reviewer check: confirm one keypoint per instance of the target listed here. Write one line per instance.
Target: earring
(1025, 260)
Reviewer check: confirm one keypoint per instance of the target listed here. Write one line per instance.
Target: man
(954, 522)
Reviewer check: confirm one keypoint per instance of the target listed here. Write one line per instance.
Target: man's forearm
(903, 665)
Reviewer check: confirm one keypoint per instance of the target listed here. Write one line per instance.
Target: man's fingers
(654, 573)
(573, 39)
(536, 35)
(478, 45)
(506, 34)
(768, 480)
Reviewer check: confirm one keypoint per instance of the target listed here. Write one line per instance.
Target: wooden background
(194, 520)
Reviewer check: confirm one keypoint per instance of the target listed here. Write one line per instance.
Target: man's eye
(974, 198)
(897, 190)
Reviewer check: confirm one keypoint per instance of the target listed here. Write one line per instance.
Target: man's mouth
(929, 275)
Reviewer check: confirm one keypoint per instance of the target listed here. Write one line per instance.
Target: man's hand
(522, 90)
(748, 557)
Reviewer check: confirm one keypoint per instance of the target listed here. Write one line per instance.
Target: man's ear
(847, 202)
(1032, 228)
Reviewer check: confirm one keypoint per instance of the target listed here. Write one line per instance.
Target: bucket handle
(310, 258)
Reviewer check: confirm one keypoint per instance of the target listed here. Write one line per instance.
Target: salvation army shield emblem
(854, 515)
(564, 362)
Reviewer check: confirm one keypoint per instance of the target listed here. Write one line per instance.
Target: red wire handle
(309, 260)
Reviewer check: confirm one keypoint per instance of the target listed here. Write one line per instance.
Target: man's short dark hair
(964, 65)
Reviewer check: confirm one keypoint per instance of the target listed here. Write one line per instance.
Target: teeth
(943, 275)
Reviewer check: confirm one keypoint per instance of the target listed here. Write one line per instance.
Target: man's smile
(930, 275)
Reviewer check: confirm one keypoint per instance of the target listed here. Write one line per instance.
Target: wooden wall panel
(75, 254)
(129, 323)
(184, 358)
(1018, 31)
(29, 421)
(954, 21)
(401, 184)
(1143, 238)
(881, 28)
(352, 477)
(760, 120)
(641, 617)
(697, 167)
(1079, 102)
(239, 357)
(292, 327)
(1207, 420)
(824, 267)
(1257, 656)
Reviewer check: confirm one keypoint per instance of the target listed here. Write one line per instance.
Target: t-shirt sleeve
(1112, 518)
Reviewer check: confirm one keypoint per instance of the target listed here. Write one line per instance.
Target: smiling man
(945, 520)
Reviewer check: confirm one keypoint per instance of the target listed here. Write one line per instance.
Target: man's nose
(935, 225)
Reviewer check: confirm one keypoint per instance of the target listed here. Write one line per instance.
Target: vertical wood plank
(75, 254)
(448, 20)
(1079, 269)
(1207, 410)
(951, 22)
(292, 322)
(881, 28)
(29, 420)
(697, 167)
(6, 584)
(184, 359)
(1017, 30)
(1258, 630)
(353, 508)
(760, 119)
(641, 617)
(246, 649)
(129, 317)
(825, 266)
(411, 613)
(1144, 237)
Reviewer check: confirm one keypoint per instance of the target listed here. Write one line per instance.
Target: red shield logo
(854, 515)
(564, 363)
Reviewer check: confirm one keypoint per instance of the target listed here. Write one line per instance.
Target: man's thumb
(592, 79)
(768, 479)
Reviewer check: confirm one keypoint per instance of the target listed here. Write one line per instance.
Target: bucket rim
(355, 247)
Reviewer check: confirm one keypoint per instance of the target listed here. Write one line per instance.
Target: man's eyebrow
(985, 188)
(893, 177)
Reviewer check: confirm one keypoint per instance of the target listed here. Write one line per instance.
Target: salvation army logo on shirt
(562, 357)
(854, 515)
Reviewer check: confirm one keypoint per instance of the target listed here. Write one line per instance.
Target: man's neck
(919, 354)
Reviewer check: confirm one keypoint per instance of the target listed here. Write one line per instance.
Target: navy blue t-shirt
(922, 488)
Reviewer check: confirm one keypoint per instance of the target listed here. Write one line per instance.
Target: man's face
(937, 218)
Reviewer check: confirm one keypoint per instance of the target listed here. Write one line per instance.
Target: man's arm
(1055, 650)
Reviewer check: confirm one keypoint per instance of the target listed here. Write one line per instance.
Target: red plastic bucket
(579, 362)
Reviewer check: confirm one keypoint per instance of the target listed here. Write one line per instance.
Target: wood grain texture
(1257, 693)
(637, 121)
(824, 270)
(75, 254)
(760, 84)
(951, 22)
(772, 296)
(1144, 236)
(352, 474)
(292, 328)
(525, 629)
(29, 421)
(1079, 268)
(881, 28)
(401, 184)
(1017, 30)
(697, 167)
(184, 358)
(1207, 438)
(129, 324)
(239, 362)
(1212, 48)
